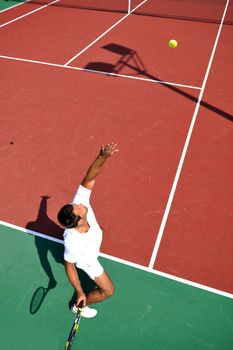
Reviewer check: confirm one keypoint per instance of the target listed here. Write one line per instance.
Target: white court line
(28, 13)
(99, 37)
(129, 6)
(181, 162)
(150, 268)
(127, 263)
(99, 72)
(12, 7)
(138, 78)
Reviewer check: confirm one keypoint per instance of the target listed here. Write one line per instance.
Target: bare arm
(74, 280)
(94, 169)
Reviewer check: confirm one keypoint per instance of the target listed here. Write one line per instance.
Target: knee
(108, 293)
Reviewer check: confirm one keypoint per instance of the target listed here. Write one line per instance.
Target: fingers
(81, 301)
(110, 148)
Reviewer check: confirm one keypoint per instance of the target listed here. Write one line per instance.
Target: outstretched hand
(108, 150)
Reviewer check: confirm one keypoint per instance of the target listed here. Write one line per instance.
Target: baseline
(125, 262)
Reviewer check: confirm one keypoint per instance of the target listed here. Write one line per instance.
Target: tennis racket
(74, 328)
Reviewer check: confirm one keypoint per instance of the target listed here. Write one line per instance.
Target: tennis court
(75, 75)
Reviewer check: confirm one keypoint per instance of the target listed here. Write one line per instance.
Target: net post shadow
(126, 54)
(129, 55)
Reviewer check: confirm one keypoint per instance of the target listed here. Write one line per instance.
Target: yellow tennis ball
(172, 43)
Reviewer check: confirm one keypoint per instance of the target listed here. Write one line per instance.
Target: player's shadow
(127, 58)
(47, 248)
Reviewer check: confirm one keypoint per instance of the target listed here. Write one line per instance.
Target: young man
(82, 239)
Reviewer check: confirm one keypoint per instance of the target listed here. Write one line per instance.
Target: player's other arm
(94, 169)
(75, 282)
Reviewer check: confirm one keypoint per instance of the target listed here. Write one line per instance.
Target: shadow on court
(130, 58)
(46, 248)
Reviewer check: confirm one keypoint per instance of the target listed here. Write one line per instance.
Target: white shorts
(93, 269)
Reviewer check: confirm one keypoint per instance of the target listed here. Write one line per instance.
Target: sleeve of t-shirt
(82, 195)
(69, 257)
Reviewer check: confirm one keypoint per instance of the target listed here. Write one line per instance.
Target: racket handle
(80, 305)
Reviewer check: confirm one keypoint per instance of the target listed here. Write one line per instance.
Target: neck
(83, 226)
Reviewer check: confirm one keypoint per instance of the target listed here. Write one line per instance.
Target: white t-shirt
(83, 248)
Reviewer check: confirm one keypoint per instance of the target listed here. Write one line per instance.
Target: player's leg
(104, 290)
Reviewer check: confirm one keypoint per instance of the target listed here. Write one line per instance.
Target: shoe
(86, 312)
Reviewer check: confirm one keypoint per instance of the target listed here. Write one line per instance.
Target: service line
(99, 72)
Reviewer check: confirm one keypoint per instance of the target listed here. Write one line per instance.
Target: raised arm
(94, 169)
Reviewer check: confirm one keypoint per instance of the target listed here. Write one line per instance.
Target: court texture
(78, 74)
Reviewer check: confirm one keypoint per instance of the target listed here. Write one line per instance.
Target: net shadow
(130, 58)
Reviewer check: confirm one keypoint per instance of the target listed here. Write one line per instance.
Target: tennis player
(83, 237)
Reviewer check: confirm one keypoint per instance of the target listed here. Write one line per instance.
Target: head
(72, 215)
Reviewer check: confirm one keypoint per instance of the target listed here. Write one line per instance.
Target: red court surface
(55, 118)
(61, 37)
(202, 11)
(201, 214)
(65, 128)
(53, 34)
(160, 61)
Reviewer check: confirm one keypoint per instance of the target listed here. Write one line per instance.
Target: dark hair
(67, 218)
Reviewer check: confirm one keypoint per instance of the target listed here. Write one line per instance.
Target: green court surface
(147, 311)
(6, 4)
